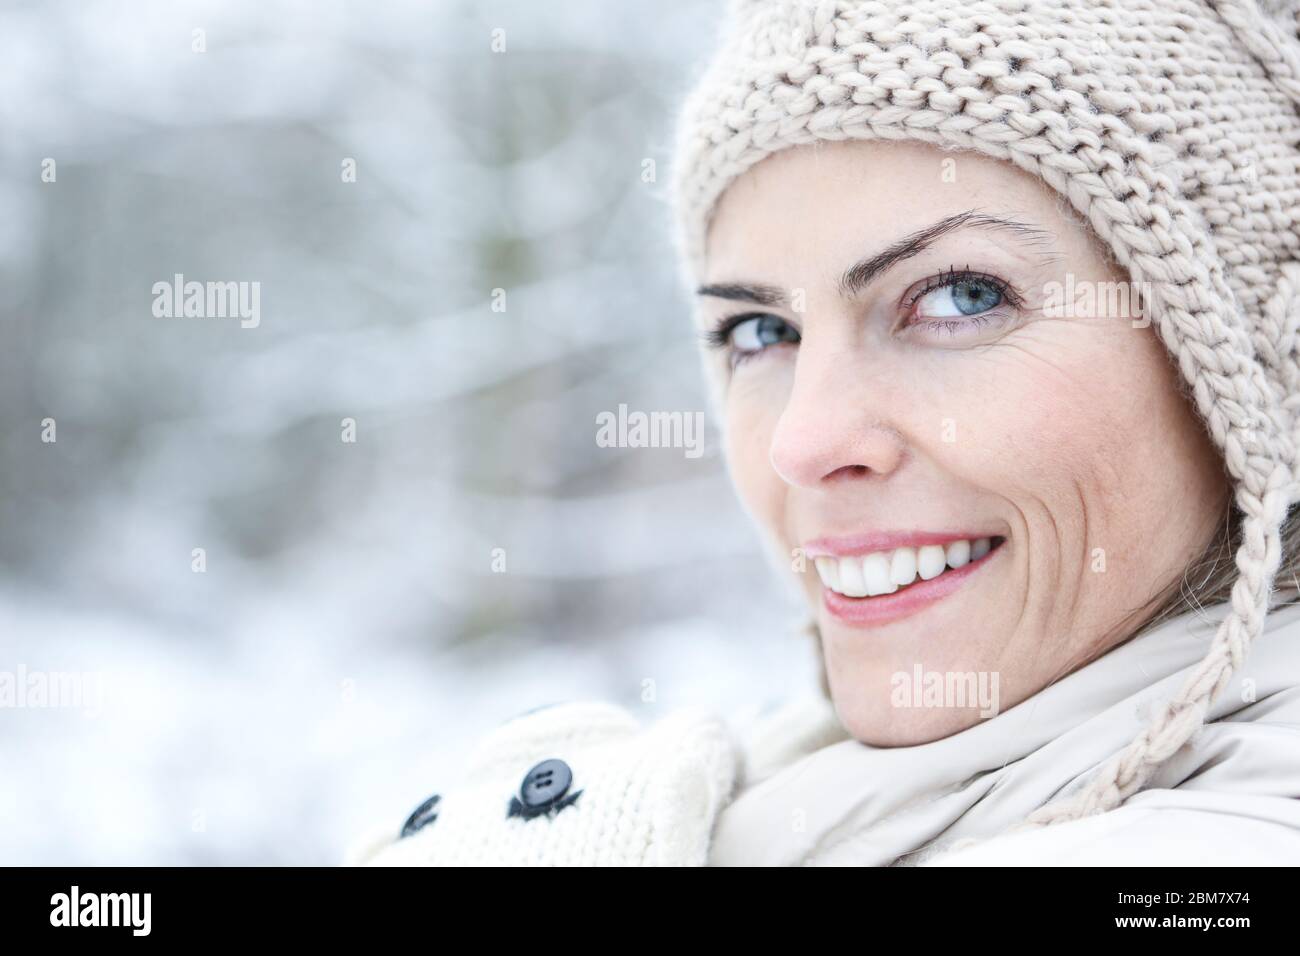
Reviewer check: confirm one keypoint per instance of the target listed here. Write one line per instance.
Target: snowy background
(349, 639)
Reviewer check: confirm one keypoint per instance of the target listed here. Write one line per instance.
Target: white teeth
(875, 571)
(851, 582)
(828, 569)
(902, 570)
(930, 561)
(884, 572)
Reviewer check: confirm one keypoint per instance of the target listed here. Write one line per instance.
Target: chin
(908, 685)
(872, 719)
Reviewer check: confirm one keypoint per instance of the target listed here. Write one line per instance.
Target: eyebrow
(744, 292)
(862, 273)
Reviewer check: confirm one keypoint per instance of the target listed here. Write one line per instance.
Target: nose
(835, 426)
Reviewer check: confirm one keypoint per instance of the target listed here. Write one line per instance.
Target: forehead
(826, 202)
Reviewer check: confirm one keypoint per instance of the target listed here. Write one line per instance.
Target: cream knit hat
(1171, 126)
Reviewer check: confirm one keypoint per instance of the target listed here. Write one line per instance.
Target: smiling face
(935, 393)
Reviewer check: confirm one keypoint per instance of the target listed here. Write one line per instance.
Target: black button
(545, 785)
(424, 815)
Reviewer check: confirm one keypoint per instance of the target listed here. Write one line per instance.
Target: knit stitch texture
(640, 797)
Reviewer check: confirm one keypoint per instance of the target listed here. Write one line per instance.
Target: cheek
(1020, 421)
(1038, 433)
(752, 413)
(1083, 432)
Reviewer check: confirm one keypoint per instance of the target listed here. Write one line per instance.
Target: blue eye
(747, 335)
(960, 297)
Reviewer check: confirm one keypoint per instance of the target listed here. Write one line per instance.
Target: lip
(870, 612)
(852, 545)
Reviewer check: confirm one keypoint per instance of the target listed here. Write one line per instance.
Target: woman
(1000, 304)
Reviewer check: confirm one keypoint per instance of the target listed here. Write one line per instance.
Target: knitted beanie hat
(1171, 126)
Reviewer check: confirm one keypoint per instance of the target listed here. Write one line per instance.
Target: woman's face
(972, 455)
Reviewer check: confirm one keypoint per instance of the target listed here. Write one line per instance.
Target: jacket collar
(854, 804)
